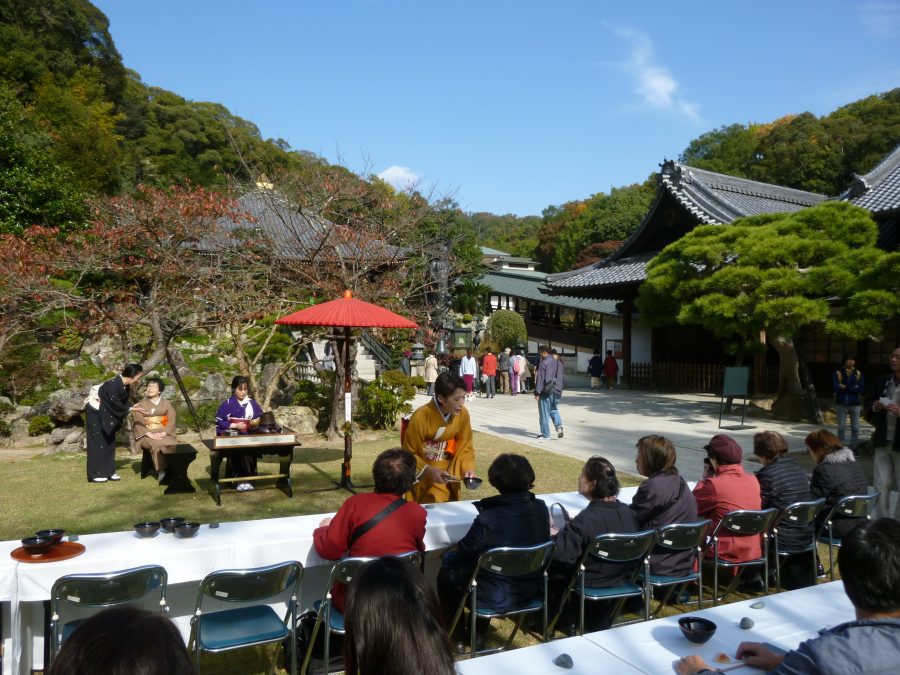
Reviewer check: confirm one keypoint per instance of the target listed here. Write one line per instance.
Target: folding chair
(679, 537)
(253, 622)
(98, 591)
(743, 523)
(799, 514)
(852, 506)
(326, 614)
(621, 548)
(507, 561)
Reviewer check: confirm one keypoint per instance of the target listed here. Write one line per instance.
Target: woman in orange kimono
(439, 435)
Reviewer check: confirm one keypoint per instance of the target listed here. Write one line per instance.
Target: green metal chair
(508, 561)
(252, 622)
(852, 506)
(799, 514)
(679, 537)
(742, 523)
(89, 592)
(326, 614)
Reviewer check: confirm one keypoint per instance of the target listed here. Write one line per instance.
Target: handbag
(549, 387)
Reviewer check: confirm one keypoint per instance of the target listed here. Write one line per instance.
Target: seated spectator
(663, 499)
(604, 513)
(870, 568)
(726, 487)
(783, 482)
(124, 640)
(400, 527)
(837, 475)
(239, 414)
(394, 623)
(515, 517)
(154, 425)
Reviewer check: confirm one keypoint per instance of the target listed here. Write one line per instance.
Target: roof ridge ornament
(858, 187)
(672, 169)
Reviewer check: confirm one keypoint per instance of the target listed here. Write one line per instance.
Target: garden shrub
(40, 424)
(401, 384)
(6, 407)
(5, 429)
(380, 403)
(207, 412)
(191, 383)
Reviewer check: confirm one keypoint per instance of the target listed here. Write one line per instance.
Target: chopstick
(733, 666)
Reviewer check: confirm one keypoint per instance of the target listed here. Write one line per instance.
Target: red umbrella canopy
(347, 312)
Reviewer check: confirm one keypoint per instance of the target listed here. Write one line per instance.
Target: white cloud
(401, 177)
(880, 18)
(654, 83)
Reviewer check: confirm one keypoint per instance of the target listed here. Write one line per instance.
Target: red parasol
(346, 313)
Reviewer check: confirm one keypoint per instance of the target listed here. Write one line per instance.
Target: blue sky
(509, 105)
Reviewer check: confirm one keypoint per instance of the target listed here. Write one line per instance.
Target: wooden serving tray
(62, 551)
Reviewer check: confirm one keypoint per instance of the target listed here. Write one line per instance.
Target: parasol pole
(346, 482)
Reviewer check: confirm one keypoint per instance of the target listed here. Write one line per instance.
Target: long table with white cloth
(654, 647)
(253, 543)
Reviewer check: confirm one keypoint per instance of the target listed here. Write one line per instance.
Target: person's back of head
(869, 561)
(394, 471)
(511, 473)
(394, 623)
(124, 640)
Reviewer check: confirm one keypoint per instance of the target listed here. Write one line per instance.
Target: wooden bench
(176, 480)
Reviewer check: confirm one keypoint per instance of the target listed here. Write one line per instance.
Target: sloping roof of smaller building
(631, 270)
(527, 285)
(879, 190)
(493, 252)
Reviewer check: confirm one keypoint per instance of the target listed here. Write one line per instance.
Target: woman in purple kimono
(240, 413)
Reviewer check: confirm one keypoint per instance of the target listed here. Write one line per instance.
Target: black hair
(603, 474)
(869, 560)
(847, 356)
(238, 380)
(125, 640)
(609, 352)
(543, 349)
(447, 383)
(511, 473)
(394, 471)
(657, 455)
(132, 370)
(769, 444)
(394, 623)
(159, 383)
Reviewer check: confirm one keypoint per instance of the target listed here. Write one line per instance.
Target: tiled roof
(879, 190)
(629, 270)
(294, 233)
(493, 252)
(718, 198)
(528, 285)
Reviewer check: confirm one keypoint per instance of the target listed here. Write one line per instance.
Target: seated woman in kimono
(154, 426)
(239, 414)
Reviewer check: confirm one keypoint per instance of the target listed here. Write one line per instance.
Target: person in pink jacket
(727, 487)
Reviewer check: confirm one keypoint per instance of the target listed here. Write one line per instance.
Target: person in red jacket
(400, 531)
(489, 370)
(727, 487)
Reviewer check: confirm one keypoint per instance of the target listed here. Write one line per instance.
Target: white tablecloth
(786, 620)
(587, 659)
(232, 545)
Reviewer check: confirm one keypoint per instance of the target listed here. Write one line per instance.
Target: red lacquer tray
(62, 551)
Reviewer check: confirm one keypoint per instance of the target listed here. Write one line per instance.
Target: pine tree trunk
(791, 402)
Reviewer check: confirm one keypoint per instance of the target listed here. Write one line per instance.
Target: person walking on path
(431, 373)
(595, 369)
(489, 372)
(883, 410)
(503, 365)
(547, 388)
(848, 385)
(468, 370)
(610, 369)
(518, 367)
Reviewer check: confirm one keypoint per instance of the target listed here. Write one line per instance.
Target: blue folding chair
(799, 515)
(679, 537)
(852, 506)
(742, 523)
(253, 622)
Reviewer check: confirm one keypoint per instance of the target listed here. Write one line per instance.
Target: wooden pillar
(626, 343)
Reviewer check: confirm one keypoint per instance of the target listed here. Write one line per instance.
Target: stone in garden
(747, 623)
(564, 661)
(65, 406)
(300, 419)
(214, 388)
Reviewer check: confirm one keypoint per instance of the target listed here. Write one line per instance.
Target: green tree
(764, 279)
(729, 149)
(33, 189)
(506, 328)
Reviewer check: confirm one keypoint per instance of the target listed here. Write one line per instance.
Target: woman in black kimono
(105, 420)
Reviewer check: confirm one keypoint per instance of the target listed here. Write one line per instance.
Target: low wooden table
(176, 480)
(267, 447)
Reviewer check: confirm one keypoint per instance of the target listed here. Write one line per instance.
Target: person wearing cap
(727, 487)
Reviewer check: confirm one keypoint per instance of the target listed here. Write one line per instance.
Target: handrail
(378, 350)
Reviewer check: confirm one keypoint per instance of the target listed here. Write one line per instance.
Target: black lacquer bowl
(696, 629)
(146, 529)
(186, 530)
(169, 524)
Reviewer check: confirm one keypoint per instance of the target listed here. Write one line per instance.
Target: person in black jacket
(837, 475)
(664, 498)
(783, 482)
(101, 425)
(604, 513)
(515, 517)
